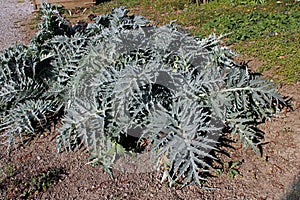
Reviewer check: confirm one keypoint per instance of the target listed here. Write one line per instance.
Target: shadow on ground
(294, 193)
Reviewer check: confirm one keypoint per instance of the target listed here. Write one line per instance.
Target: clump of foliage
(231, 168)
(118, 76)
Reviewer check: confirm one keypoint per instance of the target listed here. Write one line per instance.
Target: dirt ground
(274, 175)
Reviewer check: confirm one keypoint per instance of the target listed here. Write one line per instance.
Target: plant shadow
(294, 191)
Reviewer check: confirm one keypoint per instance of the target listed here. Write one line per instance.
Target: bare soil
(274, 175)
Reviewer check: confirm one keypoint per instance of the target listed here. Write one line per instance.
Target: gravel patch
(12, 12)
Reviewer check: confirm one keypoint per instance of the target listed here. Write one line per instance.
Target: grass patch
(280, 54)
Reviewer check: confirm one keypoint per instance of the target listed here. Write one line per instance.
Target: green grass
(280, 54)
(267, 31)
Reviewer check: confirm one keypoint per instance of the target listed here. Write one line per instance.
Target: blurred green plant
(230, 168)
